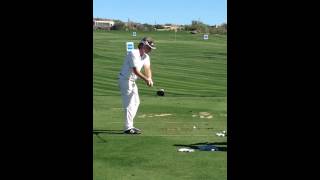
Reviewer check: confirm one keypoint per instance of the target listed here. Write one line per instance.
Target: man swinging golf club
(130, 72)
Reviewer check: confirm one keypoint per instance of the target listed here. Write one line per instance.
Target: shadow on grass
(222, 146)
(97, 132)
(107, 132)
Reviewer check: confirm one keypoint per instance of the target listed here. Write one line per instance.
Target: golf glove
(150, 83)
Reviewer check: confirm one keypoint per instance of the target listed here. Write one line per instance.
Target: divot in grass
(203, 115)
(153, 115)
(163, 115)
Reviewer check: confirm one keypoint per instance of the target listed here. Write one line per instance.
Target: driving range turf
(193, 73)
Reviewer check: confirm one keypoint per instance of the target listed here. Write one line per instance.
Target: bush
(118, 25)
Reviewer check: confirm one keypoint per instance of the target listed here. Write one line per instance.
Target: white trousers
(130, 101)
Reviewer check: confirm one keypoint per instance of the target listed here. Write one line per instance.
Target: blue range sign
(130, 46)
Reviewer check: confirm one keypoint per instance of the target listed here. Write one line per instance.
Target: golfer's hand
(149, 82)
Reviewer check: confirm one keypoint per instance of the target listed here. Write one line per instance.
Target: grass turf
(193, 73)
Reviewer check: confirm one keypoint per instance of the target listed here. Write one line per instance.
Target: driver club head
(160, 92)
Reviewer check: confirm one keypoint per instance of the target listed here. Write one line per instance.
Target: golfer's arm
(147, 71)
(138, 73)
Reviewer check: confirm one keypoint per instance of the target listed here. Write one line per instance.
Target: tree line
(194, 27)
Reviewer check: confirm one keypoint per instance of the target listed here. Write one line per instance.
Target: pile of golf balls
(222, 134)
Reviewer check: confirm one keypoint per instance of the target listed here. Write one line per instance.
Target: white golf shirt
(133, 59)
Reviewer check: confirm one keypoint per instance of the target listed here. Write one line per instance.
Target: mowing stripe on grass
(153, 122)
(164, 135)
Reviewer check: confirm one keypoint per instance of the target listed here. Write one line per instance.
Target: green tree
(158, 26)
(199, 26)
(118, 25)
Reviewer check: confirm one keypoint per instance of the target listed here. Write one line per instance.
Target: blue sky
(162, 11)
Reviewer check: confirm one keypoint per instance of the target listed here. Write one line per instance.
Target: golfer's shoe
(132, 131)
(136, 129)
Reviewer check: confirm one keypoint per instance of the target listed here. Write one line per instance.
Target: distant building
(102, 23)
(171, 28)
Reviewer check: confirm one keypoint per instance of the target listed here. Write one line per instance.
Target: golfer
(130, 72)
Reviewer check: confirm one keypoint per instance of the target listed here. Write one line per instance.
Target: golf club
(160, 92)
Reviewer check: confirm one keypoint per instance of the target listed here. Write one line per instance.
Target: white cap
(149, 42)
